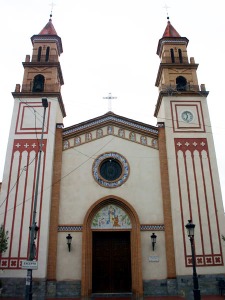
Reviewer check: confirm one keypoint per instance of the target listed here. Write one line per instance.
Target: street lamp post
(34, 228)
(190, 230)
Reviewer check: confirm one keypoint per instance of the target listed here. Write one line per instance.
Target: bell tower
(175, 72)
(42, 80)
(190, 180)
(42, 73)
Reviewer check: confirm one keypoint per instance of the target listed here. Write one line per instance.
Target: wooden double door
(111, 262)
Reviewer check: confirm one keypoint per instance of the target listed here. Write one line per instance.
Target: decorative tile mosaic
(143, 140)
(132, 136)
(66, 145)
(70, 228)
(77, 141)
(111, 217)
(99, 133)
(148, 227)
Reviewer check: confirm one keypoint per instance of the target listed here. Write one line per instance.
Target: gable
(110, 124)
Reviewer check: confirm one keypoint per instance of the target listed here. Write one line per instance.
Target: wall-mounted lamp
(69, 240)
(153, 238)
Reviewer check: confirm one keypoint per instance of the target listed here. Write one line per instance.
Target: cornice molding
(105, 119)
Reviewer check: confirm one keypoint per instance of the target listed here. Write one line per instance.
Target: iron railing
(179, 88)
(28, 88)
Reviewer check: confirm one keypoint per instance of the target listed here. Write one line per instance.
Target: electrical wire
(74, 149)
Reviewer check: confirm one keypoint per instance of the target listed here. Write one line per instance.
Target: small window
(47, 54)
(39, 53)
(172, 55)
(180, 56)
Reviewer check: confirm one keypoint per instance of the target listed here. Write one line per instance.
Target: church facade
(121, 189)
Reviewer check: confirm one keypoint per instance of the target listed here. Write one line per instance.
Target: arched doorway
(126, 238)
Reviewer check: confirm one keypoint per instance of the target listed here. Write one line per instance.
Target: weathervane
(110, 97)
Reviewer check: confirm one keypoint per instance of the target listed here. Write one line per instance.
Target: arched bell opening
(38, 83)
(181, 83)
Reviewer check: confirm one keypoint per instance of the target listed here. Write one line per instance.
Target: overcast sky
(110, 46)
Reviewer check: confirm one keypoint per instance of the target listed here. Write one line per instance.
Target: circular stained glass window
(110, 169)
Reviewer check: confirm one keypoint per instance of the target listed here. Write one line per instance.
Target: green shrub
(3, 239)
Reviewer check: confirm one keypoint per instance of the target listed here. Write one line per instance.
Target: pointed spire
(48, 29)
(48, 33)
(170, 35)
(170, 31)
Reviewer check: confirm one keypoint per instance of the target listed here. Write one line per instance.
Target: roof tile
(48, 29)
(170, 31)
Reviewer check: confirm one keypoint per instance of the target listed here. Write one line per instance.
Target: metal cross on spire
(110, 98)
(166, 8)
(52, 6)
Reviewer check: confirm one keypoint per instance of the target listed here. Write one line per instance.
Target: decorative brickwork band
(78, 228)
(22, 175)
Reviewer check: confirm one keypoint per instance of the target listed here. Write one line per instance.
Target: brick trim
(170, 254)
(54, 214)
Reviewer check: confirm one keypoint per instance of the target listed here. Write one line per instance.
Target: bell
(38, 87)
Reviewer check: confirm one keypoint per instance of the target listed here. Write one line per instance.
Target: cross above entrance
(110, 97)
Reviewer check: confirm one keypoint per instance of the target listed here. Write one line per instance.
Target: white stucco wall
(168, 115)
(79, 191)
(30, 120)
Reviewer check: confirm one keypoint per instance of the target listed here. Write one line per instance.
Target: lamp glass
(69, 239)
(153, 237)
(190, 228)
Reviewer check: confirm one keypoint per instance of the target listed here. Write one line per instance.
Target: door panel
(111, 269)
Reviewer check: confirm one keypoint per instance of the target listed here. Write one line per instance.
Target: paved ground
(146, 298)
